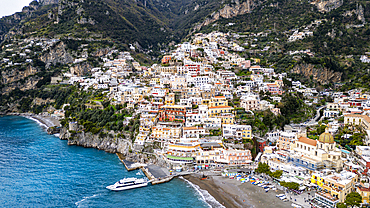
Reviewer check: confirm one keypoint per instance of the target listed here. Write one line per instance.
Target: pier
(155, 174)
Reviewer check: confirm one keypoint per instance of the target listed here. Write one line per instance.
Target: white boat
(128, 183)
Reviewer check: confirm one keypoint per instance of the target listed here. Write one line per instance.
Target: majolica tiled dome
(326, 137)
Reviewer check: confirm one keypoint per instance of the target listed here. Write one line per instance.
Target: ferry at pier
(128, 183)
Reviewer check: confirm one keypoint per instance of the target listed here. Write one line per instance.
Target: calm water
(39, 170)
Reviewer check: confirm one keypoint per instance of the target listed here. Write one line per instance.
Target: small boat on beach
(203, 177)
(128, 183)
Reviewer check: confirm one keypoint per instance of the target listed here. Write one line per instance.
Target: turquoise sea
(40, 170)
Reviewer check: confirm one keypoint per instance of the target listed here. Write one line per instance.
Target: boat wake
(85, 198)
(204, 195)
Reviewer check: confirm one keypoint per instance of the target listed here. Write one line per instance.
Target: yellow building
(137, 98)
(247, 133)
(364, 191)
(155, 80)
(166, 134)
(218, 101)
(217, 110)
(169, 99)
(227, 118)
(338, 185)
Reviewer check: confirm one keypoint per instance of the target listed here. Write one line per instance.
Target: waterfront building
(182, 153)
(333, 187)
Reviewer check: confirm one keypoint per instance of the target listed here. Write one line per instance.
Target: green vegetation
(264, 168)
(290, 185)
(353, 199)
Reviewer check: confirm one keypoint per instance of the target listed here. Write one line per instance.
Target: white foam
(37, 121)
(204, 195)
(85, 198)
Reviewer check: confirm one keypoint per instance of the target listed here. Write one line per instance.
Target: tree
(290, 185)
(276, 174)
(353, 199)
(341, 205)
(263, 168)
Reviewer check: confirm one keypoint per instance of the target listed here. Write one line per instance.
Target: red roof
(307, 141)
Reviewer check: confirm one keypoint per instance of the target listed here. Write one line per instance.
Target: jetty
(154, 173)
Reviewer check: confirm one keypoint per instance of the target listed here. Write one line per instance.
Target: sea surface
(40, 170)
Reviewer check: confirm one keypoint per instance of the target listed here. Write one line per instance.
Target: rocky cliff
(327, 6)
(80, 69)
(319, 74)
(48, 2)
(16, 74)
(108, 144)
(228, 11)
(57, 54)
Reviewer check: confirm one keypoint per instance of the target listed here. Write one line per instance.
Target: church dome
(326, 137)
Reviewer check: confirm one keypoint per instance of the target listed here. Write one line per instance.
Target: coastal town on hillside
(206, 108)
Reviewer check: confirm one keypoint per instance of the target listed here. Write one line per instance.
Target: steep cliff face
(327, 6)
(15, 74)
(27, 84)
(48, 2)
(228, 11)
(108, 144)
(320, 74)
(57, 54)
(80, 69)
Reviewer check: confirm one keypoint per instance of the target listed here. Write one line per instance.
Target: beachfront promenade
(229, 192)
(299, 199)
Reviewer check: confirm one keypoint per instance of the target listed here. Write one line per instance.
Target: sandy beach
(232, 193)
(48, 121)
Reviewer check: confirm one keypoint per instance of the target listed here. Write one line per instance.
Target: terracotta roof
(221, 107)
(219, 96)
(353, 115)
(307, 141)
(364, 189)
(191, 128)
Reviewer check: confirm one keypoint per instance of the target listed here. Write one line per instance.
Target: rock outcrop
(327, 6)
(15, 74)
(108, 144)
(80, 69)
(48, 2)
(228, 11)
(320, 74)
(57, 54)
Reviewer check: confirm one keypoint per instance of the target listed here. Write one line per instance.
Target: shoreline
(233, 193)
(225, 199)
(46, 121)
